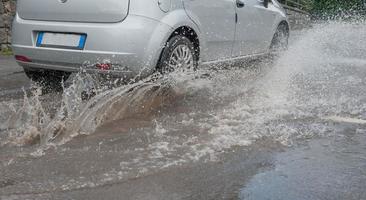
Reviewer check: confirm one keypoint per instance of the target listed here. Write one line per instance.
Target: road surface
(293, 128)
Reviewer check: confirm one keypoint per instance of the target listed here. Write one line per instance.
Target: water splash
(230, 108)
(288, 101)
(73, 116)
(197, 119)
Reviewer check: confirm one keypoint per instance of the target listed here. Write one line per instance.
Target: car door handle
(263, 3)
(240, 3)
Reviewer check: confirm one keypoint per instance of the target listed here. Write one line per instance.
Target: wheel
(49, 79)
(179, 54)
(280, 39)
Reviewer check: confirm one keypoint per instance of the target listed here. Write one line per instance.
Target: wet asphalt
(291, 129)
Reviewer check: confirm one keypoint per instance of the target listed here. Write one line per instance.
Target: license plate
(61, 40)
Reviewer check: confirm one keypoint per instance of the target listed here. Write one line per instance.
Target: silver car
(129, 38)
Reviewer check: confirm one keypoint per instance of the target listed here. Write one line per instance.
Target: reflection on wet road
(331, 168)
(292, 128)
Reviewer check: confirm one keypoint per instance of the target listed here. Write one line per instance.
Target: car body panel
(266, 26)
(247, 31)
(115, 43)
(134, 45)
(216, 19)
(256, 27)
(73, 11)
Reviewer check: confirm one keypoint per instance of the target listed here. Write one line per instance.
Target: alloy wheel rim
(181, 58)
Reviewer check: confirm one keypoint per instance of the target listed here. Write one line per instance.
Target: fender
(174, 20)
(179, 18)
(280, 18)
(174, 17)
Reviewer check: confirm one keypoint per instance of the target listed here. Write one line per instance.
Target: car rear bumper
(132, 47)
(128, 74)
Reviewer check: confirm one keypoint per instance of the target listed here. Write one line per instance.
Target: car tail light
(22, 58)
(104, 66)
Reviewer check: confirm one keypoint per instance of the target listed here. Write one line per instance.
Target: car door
(216, 19)
(252, 29)
(267, 18)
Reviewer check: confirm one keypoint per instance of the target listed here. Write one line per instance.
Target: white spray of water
(251, 116)
(285, 102)
(30, 122)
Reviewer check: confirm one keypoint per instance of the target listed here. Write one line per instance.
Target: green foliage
(329, 9)
(305, 5)
(308, 5)
(337, 7)
(6, 52)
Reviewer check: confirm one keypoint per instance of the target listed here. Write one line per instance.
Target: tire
(170, 61)
(280, 39)
(48, 79)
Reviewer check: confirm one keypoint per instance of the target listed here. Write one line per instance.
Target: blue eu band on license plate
(61, 40)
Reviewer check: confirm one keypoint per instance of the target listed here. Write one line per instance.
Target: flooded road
(292, 128)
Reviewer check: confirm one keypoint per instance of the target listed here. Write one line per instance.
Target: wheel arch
(173, 23)
(187, 32)
(286, 31)
(286, 24)
(191, 35)
(276, 25)
(182, 25)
